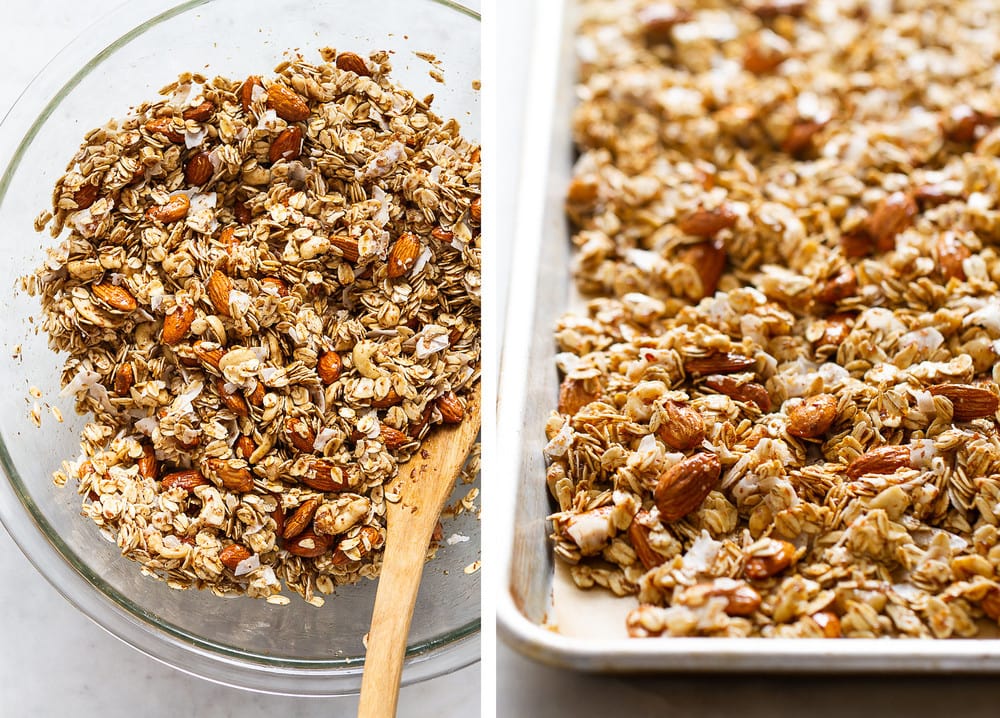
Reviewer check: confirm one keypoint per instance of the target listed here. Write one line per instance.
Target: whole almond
(813, 417)
(857, 243)
(199, 169)
(965, 124)
(707, 222)
(287, 145)
(324, 475)
(177, 323)
(347, 246)
(208, 355)
(286, 103)
(199, 113)
(761, 56)
(246, 91)
(709, 260)
(124, 377)
(233, 477)
(748, 391)
(370, 538)
(350, 62)
(829, 623)
(476, 209)
(242, 213)
(218, 287)
(969, 402)
(233, 555)
(299, 434)
(761, 567)
(329, 366)
(892, 215)
(279, 518)
(245, 447)
(836, 329)
(390, 399)
(301, 519)
(309, 545)
(452, 411)
(743, 600)
(574, 394)
(166, 127)
(403, 255)
(683, 487)
(842, 285)
(255, 396)
(234, 402)
(801, 138)
(638, 535)
(187, 480)
(883, 460)
(393, 438)
(951, 255)
(277, 285)
(115, 297)
(683, 427)
(176, 208)
(718, 363)
(148, 466)
(85, 196)
(442, 235)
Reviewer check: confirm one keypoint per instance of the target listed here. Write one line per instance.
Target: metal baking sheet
(590, 633)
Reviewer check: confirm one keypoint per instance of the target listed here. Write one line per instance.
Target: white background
(53, 660)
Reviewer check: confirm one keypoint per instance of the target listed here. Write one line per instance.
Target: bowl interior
(104, 73)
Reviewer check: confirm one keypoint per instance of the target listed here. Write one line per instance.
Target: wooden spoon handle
(424, 485)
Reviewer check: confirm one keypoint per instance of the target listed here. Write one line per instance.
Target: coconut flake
(702, 553)
(432, 339)
(148, 425)
(922, 453)
(456, 538)
(928, 338)
(384, 202)
(383, 162)
(194, 139)
(988, 317)
(561, 442)
(250, 563)
(268, 121)
(925, 401)
(422, 259)
(183, 401)
(323, 438)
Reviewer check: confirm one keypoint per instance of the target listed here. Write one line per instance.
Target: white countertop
(54, 661)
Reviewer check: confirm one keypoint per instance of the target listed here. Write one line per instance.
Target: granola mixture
(778, 413)
(269, 293)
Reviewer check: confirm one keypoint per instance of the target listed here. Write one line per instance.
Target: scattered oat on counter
(269, 291)
(778, 415)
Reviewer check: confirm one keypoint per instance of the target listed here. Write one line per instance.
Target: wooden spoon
(423, 484)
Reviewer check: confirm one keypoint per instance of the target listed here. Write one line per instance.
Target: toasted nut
(393, 438)
(279, 519)
(299, 434)
(199, 113)
(245, 447)
(149, 468)
(390, 399)
(115, 297)
(476, 209)
(574, 394)
(707, 222)
(718, 363)
(442, 235)
(177, 323)
(85, 196)
(242, 212)
(329, 366)
(951, 255)
(883, 460)
(324, 475)
(828, 623)
(204, 354)
(991, 603)
(813, 417)
(764, 53)
(966, 125)
(219, 286)
(801, 138)
(370, 539)
(276, 284)
(286, 103)
(233, 555)
(165, 126)
(857, 243)
(233, 477)
(246, 91)
(709, 260)
(743, 601)
(968, 402)
(838, 326)
(657, 21)
(199, 169)
(749, 391)
(583, 192)
(893, 214)
(309, 545)
(451, 408)
(403, 255)
(347, 246)
(301, 518)
(287, 145)
(683, 427)
(683, 487)
(234, 402)
(590, 531)
(416, 427)
(770, 9)
(187, 480)
(350, 62)
(124, 378)
(638, 535)
(256, 396)
(761, 567)
(842, 285)
(176, 208)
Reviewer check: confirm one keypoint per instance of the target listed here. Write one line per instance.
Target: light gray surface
(54, 661)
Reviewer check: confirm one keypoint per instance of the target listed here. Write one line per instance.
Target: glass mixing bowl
(124, 59)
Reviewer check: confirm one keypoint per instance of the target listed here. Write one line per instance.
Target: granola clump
(778, 415)
(269, 293)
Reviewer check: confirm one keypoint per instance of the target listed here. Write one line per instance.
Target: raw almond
(883, 460)
(299, 434)
(211, 356)
(187, 480)
(85, 196)
(246, 91)
(199, 169)
(233, 555)
(393, 438)
(347, 246)
(969, 402)
(350, 62)
(177, 323)
(149, 468)
(234, 478)
(115, 297)
(323, 475)
(234, 402)
(748, 391)
(301, 519)
(176, 208)
(451, 408)
(683, 427)
(219, 286)
(718, 363)
(638, 535)
(684, 486)
(709, 260)
(124, 378)
(761, 567)
(828, 623)
(951, 255)
(707, 222)
(574, 394)
(286, 146)
(165, 126)
(403, 255)
(199, 113)
(813, 417)
(286, 103)
(842, 285)
(892, 215)
(329, 366)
